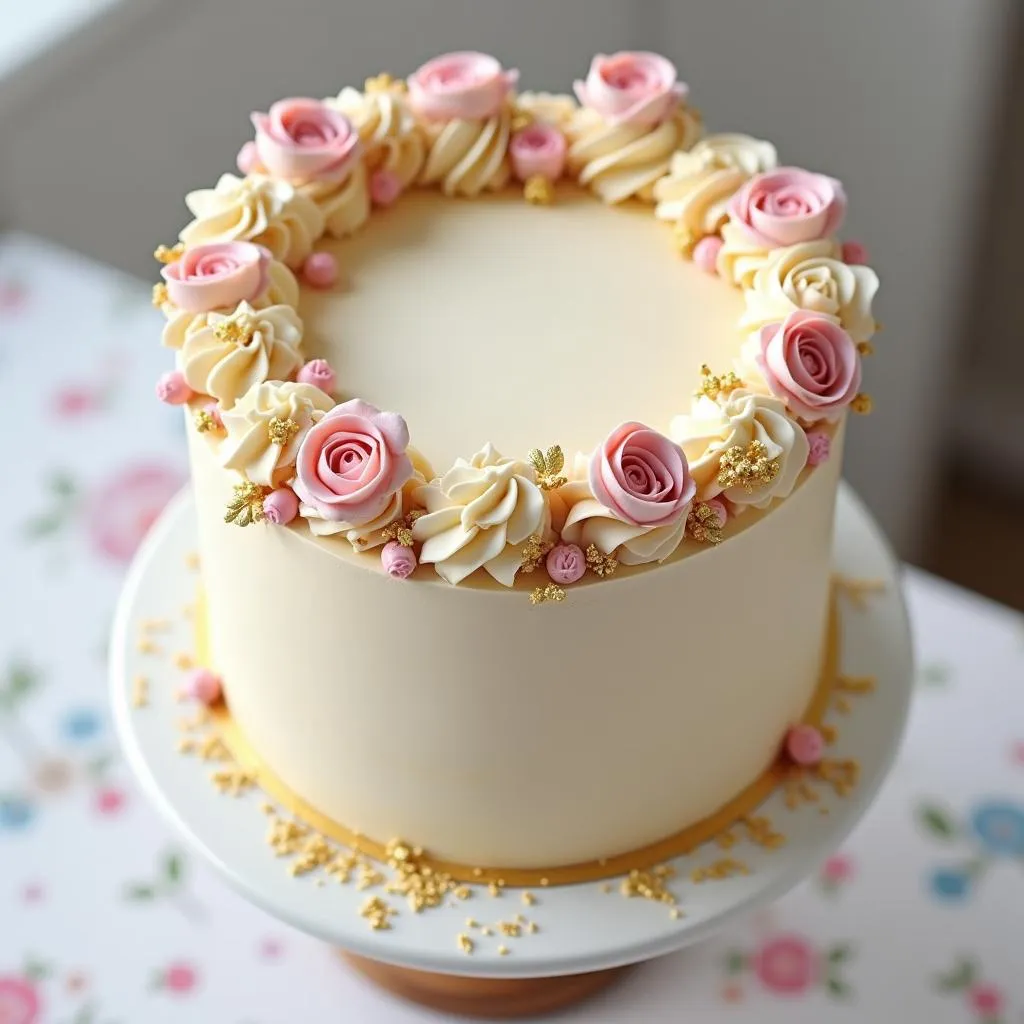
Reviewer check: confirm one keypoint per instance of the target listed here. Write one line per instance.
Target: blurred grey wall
(896, 97)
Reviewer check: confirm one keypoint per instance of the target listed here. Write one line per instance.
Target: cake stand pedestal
(579, 936)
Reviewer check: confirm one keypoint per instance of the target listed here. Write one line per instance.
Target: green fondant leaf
(43, 526)
(736, 962)
(140, 893)
(174, 868)
(837, 988)
(840, 954)
(62, 485)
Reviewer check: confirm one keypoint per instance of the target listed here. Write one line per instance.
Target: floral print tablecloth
(104, 917)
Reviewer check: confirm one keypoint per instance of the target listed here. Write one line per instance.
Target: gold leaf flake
(599, 563)
(748, 467)
(247, 505)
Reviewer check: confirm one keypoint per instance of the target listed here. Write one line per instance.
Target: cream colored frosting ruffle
(620, 161)
(696, 191)
(345, 205)
(479, 516)
(257, 209)
(392, 140)
(367, 536)
(468, 157)
(225, 355)
(737, 418)
(810, 276)
(282, 290)
(551, 108)
(584, 521)
(248, 447)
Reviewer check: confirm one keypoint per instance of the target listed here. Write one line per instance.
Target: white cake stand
(581, 929)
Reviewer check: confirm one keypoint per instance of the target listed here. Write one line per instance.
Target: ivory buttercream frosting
(512, 442)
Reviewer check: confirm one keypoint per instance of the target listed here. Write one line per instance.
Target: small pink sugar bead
(398, 560)
(320, 269)
(854, 253)
(385, 187)
(805, 745)
(248, 159)
(566, 563)
(318, 372)
(820, 447)
(173, 389)
(705, 253)
(204, 686)
(280, 506)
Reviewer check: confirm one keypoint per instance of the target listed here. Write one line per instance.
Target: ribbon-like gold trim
(741, 806)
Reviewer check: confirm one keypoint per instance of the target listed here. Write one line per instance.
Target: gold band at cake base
(681, 843)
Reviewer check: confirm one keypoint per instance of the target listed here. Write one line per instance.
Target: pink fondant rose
(19, 1002)
(787, 965)
(788, 206)
(631, 88)
(351, 463)
(305, 140)
(464, 85)
(216, 275)
(811, 363)
(641, 476)
(538, 149)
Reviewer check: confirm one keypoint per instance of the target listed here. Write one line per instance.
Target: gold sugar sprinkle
(748, 467)
(280, 431)
(503, 951)
(212, 748)
(544, 883)
(760, 831)
(534, 551)
(726, 840)
(401, 529)
(247, 505)
(865, 348)
(494, 889)
(713, 386)
(422, 886)
(599, 563)
(862, 404)
(857, 684)
(184, 661)
(146, 646)
(169, 254)
(204, 422)
(650, 885)
(606, 887)
(236, 330)
(478, 872)
(520, 918)
(550, 592)
(140, 692)
(233, 781)
(528, 898)
(510, 928)
(160, 296)
(267, 808)
(465, 943)
(471, 922)
(548, 466)
(186, 746)
(538, 190)
(675, 913)
(829, 734)
(378, 912)
(703, 525)
(192, 561)
(155, 625)
(486, 931)
(726, 867)
(463, 892)
(532, 928)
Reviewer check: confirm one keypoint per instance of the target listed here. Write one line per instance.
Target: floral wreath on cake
(229, 293)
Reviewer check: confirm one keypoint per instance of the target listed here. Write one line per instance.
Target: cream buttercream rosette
(623, 160)
(345, 205)
(468, 156)
(810, 276)
(369, 535)
(266, 426)
(735, 420)
(282, 290)
(392, 141)
(695, 192)
(582, 520)
(259, 209)
(224, 355)
(479, 515)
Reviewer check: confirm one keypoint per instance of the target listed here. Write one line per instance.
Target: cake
(572, 595)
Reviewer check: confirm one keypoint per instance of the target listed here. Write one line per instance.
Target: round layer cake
(570, 596)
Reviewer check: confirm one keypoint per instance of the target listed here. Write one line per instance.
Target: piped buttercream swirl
(695, 192)
(224, 355)
(479, 516)
(467, 157)
(624, 160)
(258, 209)
(810, 276)
(250, 447)
(392, 140)
(736, 419)
(586, 521)
(345, 205)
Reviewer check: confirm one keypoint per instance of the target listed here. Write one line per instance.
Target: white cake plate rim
(581, 927)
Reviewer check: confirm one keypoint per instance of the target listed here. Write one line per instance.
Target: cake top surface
(385, 345)
(522, 325)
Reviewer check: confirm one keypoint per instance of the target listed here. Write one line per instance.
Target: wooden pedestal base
(494, 998)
